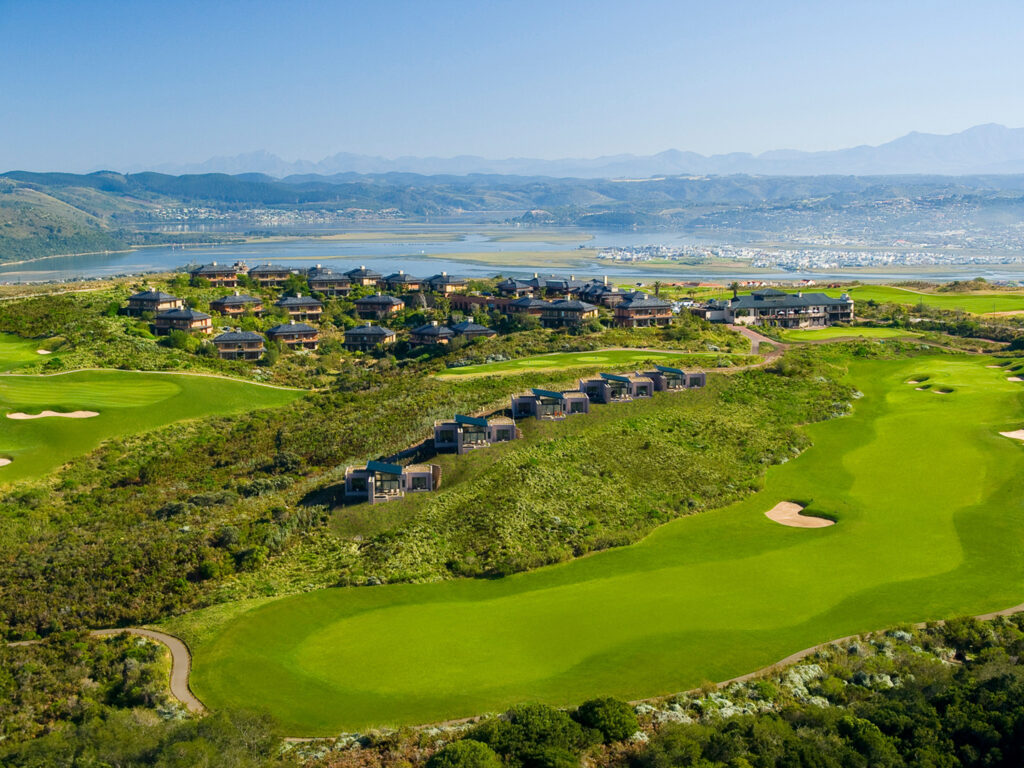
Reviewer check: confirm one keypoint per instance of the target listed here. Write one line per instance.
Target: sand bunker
(4, 462)
(44, 414)
(1016, 435)
(788, 513)
(993, 366)
(1014, 378)
(42, 352)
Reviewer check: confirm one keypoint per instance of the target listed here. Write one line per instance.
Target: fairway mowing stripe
(165, 373)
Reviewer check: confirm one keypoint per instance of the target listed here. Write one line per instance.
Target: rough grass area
(127, 402)
(615, 360)
(927, 499)
(977, 303)
(836, 332)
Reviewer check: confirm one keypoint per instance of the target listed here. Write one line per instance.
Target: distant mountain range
(983, 149)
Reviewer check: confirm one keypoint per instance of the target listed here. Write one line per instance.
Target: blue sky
(119, 84)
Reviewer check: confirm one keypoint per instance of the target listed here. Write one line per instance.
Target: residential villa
(772, 307)
(151, 301)
(295, 335)
(515, 288)
(445, 283)
(465, 433)
(221, 275)
(270, 275)
(643, 311)
(528, 305)
(559, 286)
(239, 345)
(300, 307)
(547, 404)
(378, 306)
(367, 338)
(567, 313)
(472, 330)
(182, 319)
(364, 277)
(328, 282)
(378, 481)
(400, 281)
(237, 304)
(431, 333)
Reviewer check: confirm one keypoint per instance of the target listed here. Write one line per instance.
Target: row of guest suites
(380, 481)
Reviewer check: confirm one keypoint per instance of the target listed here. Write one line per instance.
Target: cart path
(181, 661)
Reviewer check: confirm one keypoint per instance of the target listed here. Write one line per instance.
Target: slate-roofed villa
(237, 304)
(528, 305)
(472, 330)
(182, 319)
(548, 404)
(445, 283)
(239, 345)
(295, 335)
(431, 333)
(222, 275)
(151, 301)
(328, 282)
(400, 281)
(465, 433)
(300, 307)
(567, 313)
(363, 276)
(512, 287)
(378, 306)
(366, 338)
(270, 274)
(379, 481)
(642, 311)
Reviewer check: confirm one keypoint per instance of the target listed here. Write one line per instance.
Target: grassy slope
(823, 334)
(708, 596)
(617, 359)
(128, 403)
(978, 303)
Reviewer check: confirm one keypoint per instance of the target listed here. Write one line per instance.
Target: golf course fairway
(929, 504)
(127, 403)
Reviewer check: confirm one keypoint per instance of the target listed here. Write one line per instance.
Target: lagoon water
(424, 257)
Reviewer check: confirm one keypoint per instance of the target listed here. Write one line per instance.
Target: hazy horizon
(121, 85)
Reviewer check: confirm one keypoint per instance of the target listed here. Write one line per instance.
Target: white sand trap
(44, 414)
(4, 462)
(993, 366)
(1014, 378)
(788, 513)
(914, 381)
(922, 389)
(1016, 435)
(43, 352)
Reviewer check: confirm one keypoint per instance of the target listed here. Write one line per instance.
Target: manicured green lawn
(615, 359)
(823, 334)
(127, 403)
(929, 501)
(978, 303)
(16, 351)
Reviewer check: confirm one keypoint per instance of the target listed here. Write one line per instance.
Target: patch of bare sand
(4, 462)
(1017, 434)
(788, 513)
(43, 352)
(993, 366)
(1014, 378)
(44, 414)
